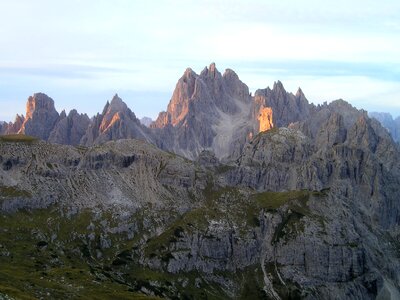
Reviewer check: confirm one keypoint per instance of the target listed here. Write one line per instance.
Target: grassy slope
(45, 254)
(17, 138)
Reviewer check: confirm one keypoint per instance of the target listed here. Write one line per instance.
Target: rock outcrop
(41, 116)
(265, 118)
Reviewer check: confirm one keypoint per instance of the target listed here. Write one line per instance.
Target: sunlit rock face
(265, 119)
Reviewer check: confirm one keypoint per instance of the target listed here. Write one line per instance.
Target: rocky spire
(41, 116)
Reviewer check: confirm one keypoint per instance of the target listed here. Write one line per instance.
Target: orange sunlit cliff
(265, 118)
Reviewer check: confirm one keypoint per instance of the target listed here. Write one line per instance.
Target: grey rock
(387, 121)
(70, 129)
(40, 118)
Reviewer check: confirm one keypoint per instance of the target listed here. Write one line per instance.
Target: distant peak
(299, 93)
(189, 73)
(211, 71)
(116, 98)
(73, 112)
(230, 73)
(63, 114)
(278, 85)
(212, 67)
(116, 105)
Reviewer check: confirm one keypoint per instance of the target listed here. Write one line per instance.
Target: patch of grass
(17, 138)
(293, 206)
(13, 192)
(252, 287)
(224, 168)
(274, 200)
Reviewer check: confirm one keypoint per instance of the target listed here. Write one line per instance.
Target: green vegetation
(273, 200)
(51, 254)
(296, 208)
(45, 254)
(17, 138)
(13, 192)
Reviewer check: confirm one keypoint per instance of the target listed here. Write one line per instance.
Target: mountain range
(226, 195)
(210, 111)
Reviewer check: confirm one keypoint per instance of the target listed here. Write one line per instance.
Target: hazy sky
(81, 53)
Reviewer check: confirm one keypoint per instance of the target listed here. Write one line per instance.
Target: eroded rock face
(70, 129)
(41, 116)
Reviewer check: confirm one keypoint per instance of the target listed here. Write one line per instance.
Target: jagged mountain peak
(189, 73)
(117, 104)
(278, 87)
(38, 101)
(73, 112)
(114, 111)
(299, 93)
(210, 72)
(63, 114)
(230, 74)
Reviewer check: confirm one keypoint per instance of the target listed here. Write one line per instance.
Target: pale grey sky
(82, 52)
